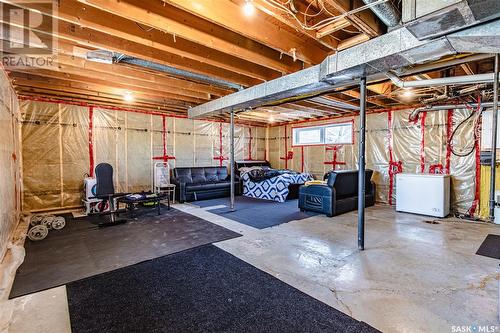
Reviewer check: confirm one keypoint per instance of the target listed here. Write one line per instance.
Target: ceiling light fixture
(248, 8)
(271, 119)
(407, 93)
(128, 97)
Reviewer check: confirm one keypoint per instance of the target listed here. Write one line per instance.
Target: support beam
(361, 168)
(167, 18)
(494, 140)
(231, 160)
(366, 20)
(262, 31)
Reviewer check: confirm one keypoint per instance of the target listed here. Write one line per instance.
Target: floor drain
(432, 222)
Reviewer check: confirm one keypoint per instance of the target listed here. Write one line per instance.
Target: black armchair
(339, 195)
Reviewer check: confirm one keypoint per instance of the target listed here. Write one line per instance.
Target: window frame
(351, 122)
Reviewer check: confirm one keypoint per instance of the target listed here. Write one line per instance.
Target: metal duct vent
(451, 18)
(102, 56)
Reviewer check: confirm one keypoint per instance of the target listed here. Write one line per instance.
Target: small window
(335, 134)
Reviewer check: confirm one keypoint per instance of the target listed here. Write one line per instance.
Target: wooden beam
(65, 72)
(173, 21)
(95, 19)
(332, 27)
(355, 40)
(97, 85)
(284, 18)
(91, 99)
(365, 21)
(93, 39)
(139, 74)
(230, 15)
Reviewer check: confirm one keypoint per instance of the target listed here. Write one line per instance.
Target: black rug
(257, 213)
(490, 247)
(81, 249)
(199, 290)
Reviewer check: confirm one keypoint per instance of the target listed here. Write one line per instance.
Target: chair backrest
(104, 180)
(345, 182)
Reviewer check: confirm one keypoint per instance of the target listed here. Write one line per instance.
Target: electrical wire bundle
(475, 116)
(289, 8)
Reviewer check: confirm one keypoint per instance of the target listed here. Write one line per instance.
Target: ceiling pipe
(448, 95)
(416, 112)
(121, 58)
(444, 81)
(442, 64)
(386, 12)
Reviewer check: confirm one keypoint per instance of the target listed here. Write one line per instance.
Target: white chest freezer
(425, 194)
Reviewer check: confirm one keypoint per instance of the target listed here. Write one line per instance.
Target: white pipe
(444, 81)
(446, 63)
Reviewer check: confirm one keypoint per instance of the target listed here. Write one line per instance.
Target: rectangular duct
(432, 18)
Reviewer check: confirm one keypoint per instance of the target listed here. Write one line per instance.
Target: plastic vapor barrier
(393, 145)
(10, 182)
(63, 143)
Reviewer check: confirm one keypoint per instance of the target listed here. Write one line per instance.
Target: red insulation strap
(165, 157)
(164, 135)
(436, 169)
(334, 162)
(449, 131)
(288, 154)
(91, 141)
(221, 158)
(477, 148)
(286, 150)
(249, 158)
(302, 159)
(391, 159)
(477, 188)
(422, 141)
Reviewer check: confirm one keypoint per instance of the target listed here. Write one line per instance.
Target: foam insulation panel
(62, 142)
(10, 182)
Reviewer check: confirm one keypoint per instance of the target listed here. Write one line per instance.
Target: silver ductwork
(121, 58)
(386, 12)
(433, 18)
(394, 51)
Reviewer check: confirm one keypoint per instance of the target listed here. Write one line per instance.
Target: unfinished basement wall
(62, 143)
(393, 145)
(10, 180)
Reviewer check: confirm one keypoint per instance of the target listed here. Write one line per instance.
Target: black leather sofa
(199, 183)
(339, 195)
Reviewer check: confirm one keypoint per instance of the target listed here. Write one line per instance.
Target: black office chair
(105, 190)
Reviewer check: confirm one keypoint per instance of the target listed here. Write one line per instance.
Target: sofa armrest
(180, 189)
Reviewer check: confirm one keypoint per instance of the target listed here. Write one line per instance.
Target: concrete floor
(412, 277)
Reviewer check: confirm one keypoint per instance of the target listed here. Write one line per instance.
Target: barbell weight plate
(36, 219)
(38, 233)
(58, 223)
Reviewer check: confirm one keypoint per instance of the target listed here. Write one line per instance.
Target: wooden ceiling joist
(182, 24)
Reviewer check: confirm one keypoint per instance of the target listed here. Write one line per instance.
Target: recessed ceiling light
(271, 119)
(248, 8)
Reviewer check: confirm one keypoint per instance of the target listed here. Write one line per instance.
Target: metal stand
(231, 206)
(494, 141)
(361, 168)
